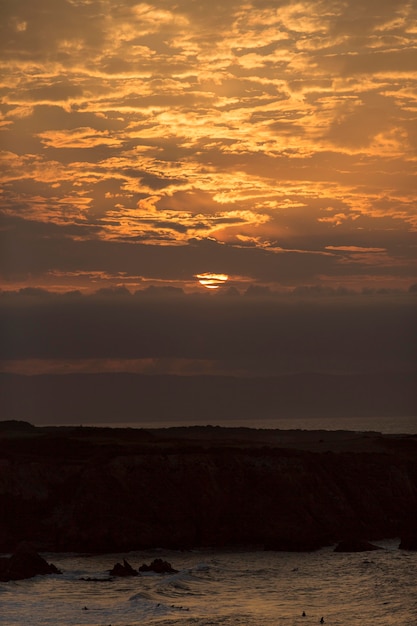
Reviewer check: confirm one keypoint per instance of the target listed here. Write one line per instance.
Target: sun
(211, 280)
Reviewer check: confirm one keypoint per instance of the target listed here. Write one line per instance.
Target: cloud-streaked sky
(271, 141)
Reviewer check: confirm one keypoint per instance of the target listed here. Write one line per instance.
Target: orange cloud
(158, 124)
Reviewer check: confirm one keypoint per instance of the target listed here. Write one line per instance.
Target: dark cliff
(112, 489)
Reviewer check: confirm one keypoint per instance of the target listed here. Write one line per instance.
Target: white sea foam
(222, 589)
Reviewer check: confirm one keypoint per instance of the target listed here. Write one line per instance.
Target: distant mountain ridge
(121, 397)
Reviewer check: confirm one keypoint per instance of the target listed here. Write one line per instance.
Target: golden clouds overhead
(162, 125)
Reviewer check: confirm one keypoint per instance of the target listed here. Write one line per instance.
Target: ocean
(222, 588)
(387, 425)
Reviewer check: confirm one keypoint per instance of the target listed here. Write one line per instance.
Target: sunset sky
(145, 143)
(249, 148)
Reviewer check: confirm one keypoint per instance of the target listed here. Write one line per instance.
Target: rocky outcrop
(159, 566)
(25, 562)
(123, 570)
(93, 579)
(296, 540)
(355, 545)
(86, 489)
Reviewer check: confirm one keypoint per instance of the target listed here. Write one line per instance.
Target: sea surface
(388, 425)
(222, 588)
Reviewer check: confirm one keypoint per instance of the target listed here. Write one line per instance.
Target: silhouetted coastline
(110, 489)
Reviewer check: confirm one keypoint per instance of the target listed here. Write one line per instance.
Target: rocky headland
(105, 489)
(25, 562)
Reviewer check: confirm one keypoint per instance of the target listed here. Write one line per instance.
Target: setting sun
(212, 281)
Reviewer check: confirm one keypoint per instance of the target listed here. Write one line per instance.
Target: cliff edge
(103, 489)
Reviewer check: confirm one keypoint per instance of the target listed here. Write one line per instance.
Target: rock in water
(355, 546)
(123, 570)
(159, 566)
(25, 563)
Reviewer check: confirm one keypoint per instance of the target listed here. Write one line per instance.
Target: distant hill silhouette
(80, 398)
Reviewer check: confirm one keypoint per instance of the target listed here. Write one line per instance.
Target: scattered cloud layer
(151, 142)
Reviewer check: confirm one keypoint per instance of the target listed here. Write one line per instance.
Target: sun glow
(212, 281)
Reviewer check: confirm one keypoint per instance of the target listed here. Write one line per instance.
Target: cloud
(277, 129)
(46, 253)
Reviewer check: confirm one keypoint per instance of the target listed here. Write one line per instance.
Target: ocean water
(222, 588)
(387, 425)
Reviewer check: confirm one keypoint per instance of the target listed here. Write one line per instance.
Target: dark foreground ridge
(104, 489)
